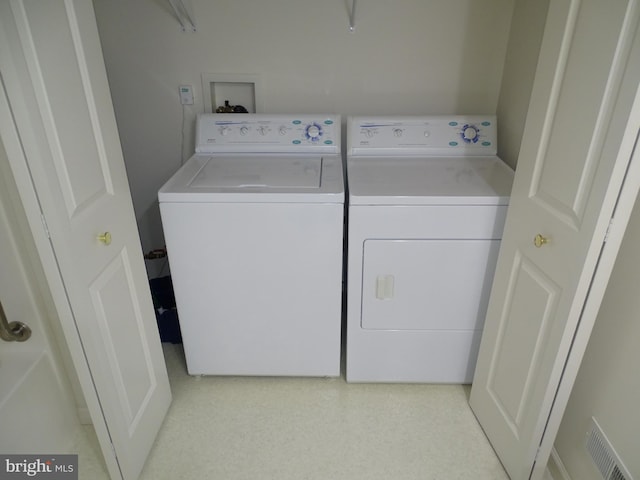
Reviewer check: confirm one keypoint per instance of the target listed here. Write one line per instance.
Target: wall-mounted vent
(604, 456)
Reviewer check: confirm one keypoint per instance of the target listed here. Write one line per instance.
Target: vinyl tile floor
(241, 428)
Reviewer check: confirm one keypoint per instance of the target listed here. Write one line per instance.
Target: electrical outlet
(186, 95)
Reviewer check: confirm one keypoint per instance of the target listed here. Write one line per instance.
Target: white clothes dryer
(427, 203)
(253, 224)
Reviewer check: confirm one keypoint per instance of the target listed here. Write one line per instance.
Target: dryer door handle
(384, 287)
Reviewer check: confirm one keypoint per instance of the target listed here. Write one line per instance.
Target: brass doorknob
(105, 238)
(539, 240)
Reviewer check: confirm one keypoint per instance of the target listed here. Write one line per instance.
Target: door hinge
(44, 224)
(609, 227)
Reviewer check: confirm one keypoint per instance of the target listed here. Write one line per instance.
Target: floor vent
(604, 456)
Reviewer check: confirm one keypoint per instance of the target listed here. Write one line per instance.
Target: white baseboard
(555, 468)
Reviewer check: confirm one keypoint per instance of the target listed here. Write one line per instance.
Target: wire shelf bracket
(183, 15)
(352, 16)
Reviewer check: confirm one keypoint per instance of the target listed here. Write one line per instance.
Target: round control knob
(470, 133)
(282, 130)
(397, 132)
(263, 130)
(313, 132)
(224, 131)
(368, 133)
(427, 133)
(244, 130)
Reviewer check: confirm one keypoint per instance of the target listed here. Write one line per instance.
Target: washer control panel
(427, 135)
(259, 133)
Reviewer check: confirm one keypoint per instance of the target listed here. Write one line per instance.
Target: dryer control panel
(449, 135)
(257, 133)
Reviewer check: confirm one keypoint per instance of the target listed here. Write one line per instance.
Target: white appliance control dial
(427, 133)
(262, 130)
(282, 130)
(470, 133)
(224, 131)
(244, 130)
(313, 132)
(397, 132)
(368, 133)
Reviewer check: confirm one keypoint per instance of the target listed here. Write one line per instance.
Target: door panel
(121, 323)
(78, 155)
(533, 301)
(572, 164)
(576, 129)
(60, 103)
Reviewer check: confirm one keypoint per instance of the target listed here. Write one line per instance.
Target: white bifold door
(575, 184)
(58, 127)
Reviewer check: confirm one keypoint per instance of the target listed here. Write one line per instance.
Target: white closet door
(580, 131)
(54, 75)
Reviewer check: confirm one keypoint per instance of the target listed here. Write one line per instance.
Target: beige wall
(404, 57)
(527, 27)
(608, 384)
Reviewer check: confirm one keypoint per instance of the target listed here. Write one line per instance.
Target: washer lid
(429, 181)
(251, 171)
(257, 178)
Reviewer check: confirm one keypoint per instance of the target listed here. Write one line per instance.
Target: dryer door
(435, 284)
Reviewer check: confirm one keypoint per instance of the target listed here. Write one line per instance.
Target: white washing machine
(253, 224)
(427, 203)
